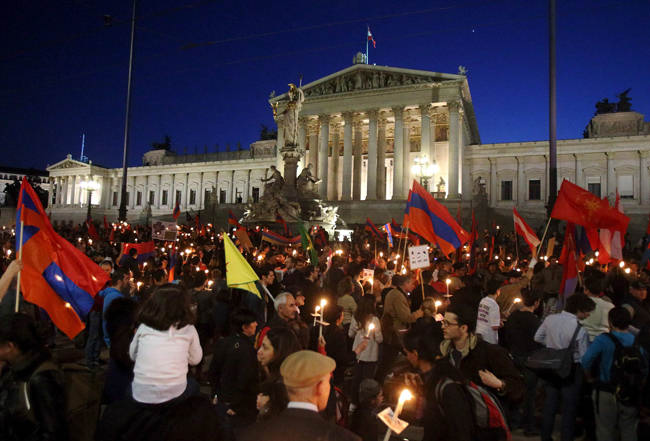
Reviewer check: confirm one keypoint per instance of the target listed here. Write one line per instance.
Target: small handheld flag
(177, 210)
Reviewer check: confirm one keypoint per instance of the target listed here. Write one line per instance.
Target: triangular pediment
(67, 163)
(366, 77)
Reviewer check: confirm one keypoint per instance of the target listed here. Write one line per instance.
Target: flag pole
(541, 243)
(20, 256)
(514, 225)
(367, 59)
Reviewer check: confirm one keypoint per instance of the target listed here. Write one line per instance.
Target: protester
(488, 321)
(164, 344)
(615, 418)
(306, 375)
(32, 399)
(560, 331)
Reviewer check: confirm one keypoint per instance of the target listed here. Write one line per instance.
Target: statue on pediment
(604, 106)
(624, 104)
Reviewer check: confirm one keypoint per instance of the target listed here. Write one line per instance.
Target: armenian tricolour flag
(56, 276)
(144, 249)
(277, 239)
(431, 220)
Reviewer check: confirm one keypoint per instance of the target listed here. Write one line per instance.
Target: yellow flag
(239, 273)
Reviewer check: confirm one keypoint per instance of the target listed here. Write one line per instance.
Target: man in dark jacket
(233, 371)
(32, 399)
(306, 375)
(481, 362)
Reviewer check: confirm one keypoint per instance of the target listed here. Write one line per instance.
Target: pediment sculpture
(365, 80)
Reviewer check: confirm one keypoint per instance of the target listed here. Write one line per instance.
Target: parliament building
(368, 131)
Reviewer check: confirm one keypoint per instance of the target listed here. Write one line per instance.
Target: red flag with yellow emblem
(577, 205)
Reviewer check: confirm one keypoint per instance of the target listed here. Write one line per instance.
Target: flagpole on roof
(20, 257)
(368, 32)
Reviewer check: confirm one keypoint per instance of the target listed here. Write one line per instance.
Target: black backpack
(627, 374)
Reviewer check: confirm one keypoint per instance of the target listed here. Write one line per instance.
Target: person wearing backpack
(32, 398)
(562, 331)
(622, 370)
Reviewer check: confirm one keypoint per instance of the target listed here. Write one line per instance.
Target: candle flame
(516, 300)
(323, 302)
(437, 303)
(448, 281)
(405, 396)
(371, 326)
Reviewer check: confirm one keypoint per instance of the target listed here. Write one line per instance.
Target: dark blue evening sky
(65, 74)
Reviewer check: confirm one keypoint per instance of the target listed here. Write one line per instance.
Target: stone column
(371, 183)
(425, 133)
(579, 179)
(381, 158)
(279, 163)
(312, 129)
(246, 194)
(232, 187)
(134, 181)
(302, 142)
(398, 153)
(644, 181)
(520, 196)
(466, 184)
(358, 160)
(333, 192)
(185, 203)
(407, 161)
(323, 147)
(216, 185)
(172, 193)
(73, 191)
(493, 182)
(611, 176)
(346, 193)
(454, 147)
(158, 199)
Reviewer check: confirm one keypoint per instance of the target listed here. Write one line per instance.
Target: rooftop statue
(624, 104)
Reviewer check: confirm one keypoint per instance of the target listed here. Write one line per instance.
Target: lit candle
(627, 271)
(621, 264)
(139, 284)
(403, 397)
(448, 281)
(514, 302)
(316, 314)
(371, 328)
(597, 253)
(323, 302)
(8, 253)
(437, 303)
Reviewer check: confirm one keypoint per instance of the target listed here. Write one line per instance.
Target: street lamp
(424, 170)
(89, 186)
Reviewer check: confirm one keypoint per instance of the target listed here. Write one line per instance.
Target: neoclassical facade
(163, 179)
(363, 128)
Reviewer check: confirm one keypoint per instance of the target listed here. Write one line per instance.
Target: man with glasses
(480, 362)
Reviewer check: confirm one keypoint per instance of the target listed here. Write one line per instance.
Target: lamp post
(424, 170)
(89, 186)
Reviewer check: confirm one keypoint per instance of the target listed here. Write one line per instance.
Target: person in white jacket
(163, 346)
(365, 326)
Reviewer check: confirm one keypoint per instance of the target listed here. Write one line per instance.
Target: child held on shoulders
(164, 344)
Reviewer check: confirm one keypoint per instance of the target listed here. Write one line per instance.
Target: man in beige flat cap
(306, 375)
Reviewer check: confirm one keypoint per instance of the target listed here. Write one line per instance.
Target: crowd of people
(324, 346)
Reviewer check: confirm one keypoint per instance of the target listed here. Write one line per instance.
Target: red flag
(577, 205)
(177, 210)
(569, 264)
(92, 231)
(371, 38)
(524, 230)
